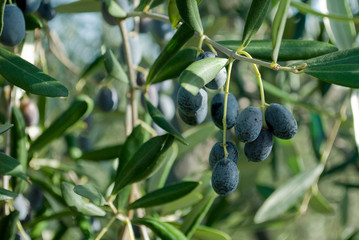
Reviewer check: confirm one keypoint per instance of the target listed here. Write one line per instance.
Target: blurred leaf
(95, 65)
(79, 109)
(352, 158)
(189, 13)
(201, 72)
(347, 185)
(174, 67)
(173, 13)
(105, 153)
(138, 136)
(158, 179)
(183, 34)
(290, 155)
(144, 162)
(32, 22)
(113, 67)
(344, 207)
(162, 229)
(320, 204)
(79, 7)
(197, 135)
(289, 49)
(19, 145)
(75, 202)
(115, 9)
(8, 225)
(28, 77)
(5, 127)
(143, 4)
(278, 27)
(6, 194)
(256, 15)
(90, 192)
(305, 8)
(2, 7)
(287, 195)
(121, 200)
(193, 219)
(343, 34)
(265, 191)
(11, 166)
(341, 68)
(354, 103)
(164, 195)
(317, 133)
(206, 233)
(160, 120)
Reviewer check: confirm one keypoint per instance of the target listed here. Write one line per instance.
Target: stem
(224, 120)
(200, 43)
(105, 229)
(22, 231)
(154, 16)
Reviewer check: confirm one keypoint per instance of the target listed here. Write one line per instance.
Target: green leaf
(197, 135)
(79, 109)
(320, 204)
(160, 120)
(317, 133)
(105, 153)
(115, 9)
(113, 67)
(79, 7)
(287, 195)
(193, 219)
(278, 27)
(90, 192)
(96, 65)
(188, 11)
(8, 225)
(162, 229)
(173, 13)
(207, 233)
(5, 127)
(32, 22)
(254, 20)
(289, 49)
(158, 179)
(6, 194)
(75, 202)
(28, 77)
(183, 34)
(2, 8)
(341, 68)
(199, 73)
(11, 166)
(343, 34)
(144, 162)
(164, 195)
(138, 136)
(174, 67)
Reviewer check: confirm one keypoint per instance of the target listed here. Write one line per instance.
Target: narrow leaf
(289, 49)
(5, 127)
(28, 77)
(188, 11)
(115, 9)
(75, 202)
(278, 27)
(174, 67)
(341, 68)
(32, 22)
(287, 195)
(317, 133)
(113, 67)
(160, 120)
(11, 166)
(256, 15)
(183, 34)
(162, 229)
(320, 204)
(8, 225)
(106, 153)
(79, 7)
(6, 194)
(90, 192)
(144, 162)
(198, 212)
(199, 73)
(96, 65)
(207, 233)
(173, 13)
(2, 8)
(164, 195)
(80, 108)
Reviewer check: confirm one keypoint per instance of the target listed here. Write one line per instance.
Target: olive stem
(105, 229)
(200, 43)
(224, 120)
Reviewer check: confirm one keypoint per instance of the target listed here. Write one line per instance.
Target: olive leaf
(189, 12)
